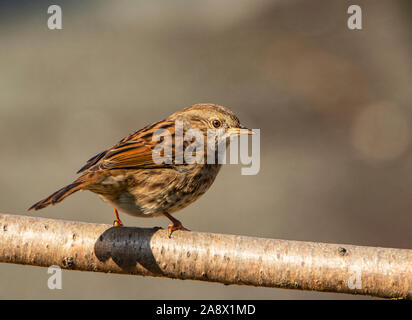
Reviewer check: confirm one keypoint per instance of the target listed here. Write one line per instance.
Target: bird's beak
(239, 131)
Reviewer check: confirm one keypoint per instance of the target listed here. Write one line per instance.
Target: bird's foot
(117, 223)
(175, 226)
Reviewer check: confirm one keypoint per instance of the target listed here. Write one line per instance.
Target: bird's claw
(174, 227)
(117, 223)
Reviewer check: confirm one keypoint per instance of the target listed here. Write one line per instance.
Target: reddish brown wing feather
(92, 161)
(134, 155)
(132, 152)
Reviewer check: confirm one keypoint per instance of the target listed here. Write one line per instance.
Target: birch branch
(227, 259)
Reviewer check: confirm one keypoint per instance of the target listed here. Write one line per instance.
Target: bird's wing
(92, 161)
(135, 151)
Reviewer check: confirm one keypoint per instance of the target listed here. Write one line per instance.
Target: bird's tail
(59, 195)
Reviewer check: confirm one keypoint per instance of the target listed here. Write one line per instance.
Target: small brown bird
(128, 178)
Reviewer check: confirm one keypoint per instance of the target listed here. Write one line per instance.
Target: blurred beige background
(333, 106)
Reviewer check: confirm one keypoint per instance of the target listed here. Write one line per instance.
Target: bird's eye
(216, 123)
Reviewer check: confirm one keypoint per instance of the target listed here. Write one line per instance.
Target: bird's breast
(150, 192)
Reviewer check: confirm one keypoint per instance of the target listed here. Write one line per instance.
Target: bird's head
(213, 118)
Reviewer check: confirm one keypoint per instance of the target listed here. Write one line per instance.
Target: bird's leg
(117, 222)
(177, 225)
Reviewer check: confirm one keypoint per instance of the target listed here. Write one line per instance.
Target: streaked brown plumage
(127, 177)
